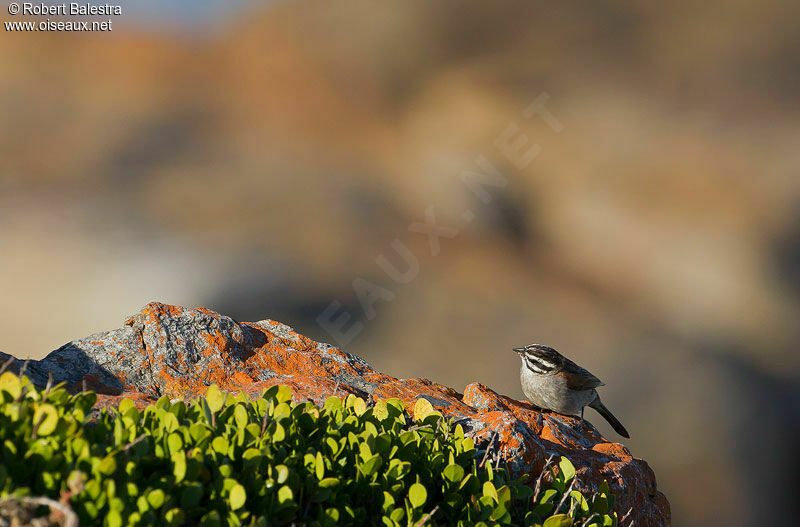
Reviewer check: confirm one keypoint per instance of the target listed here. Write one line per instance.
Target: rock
(178, 352)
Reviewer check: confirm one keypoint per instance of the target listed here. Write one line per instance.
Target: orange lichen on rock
(178, 352)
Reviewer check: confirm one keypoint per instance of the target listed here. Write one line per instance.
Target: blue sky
(184, 14)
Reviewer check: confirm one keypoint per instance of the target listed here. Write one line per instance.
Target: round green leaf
(489, 490)
(10, 383)
(332, 514)
(237, 497)
(220, 445)
(240, 416)
(284, 394)
(359, 406)
(371, 465)
(175, 516)
(396, 403)
(282, 473)
(559, 520)
(567, 469)
(285, 494)
(279, 434)
(548, 495)
(168, 421)
(499, 513)
(113, 519)
(580, 500)
(215, 398)
(422, 409)
(156, 498)
(504, 494)
(85, 401)
(380, 411)
(417, 495)
(46, 416)
(282, 411)
(332, 404)
(397, 514)
(175, 442)
(178, 466)
(319, 466)
(453, 473)
(332, 445)
(329, 483)
(108, 465)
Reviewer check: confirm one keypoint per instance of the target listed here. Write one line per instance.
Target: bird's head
(539, 358)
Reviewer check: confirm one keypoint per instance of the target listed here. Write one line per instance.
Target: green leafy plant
(230, 460)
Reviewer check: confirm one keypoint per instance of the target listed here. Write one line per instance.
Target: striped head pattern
(540, 359)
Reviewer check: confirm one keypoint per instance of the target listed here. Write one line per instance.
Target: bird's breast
(550, 391)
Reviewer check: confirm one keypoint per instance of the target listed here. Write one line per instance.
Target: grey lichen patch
(356, 383)
(278, 329)
(342, 357)
(435, 401)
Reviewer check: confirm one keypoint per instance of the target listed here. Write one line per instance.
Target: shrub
(226, 460)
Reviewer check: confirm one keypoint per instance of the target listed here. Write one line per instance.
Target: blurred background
(258, 158)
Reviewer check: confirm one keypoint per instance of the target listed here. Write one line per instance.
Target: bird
(553, 382)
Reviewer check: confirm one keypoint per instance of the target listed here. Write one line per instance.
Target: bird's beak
(519, 350)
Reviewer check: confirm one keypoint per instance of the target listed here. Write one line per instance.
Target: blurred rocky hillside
(263, 167)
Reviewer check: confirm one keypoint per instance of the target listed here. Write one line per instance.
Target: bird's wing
(579, 378)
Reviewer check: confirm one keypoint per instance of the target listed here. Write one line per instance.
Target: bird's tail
(615, 424)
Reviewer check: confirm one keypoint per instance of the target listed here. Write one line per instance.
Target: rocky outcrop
(173, 351)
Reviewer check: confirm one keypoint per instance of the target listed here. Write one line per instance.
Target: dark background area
(259, 160)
